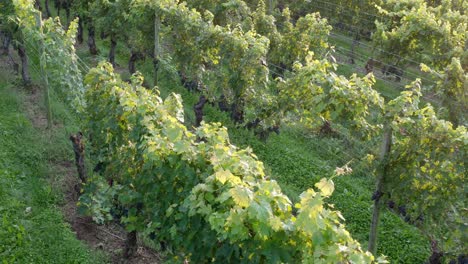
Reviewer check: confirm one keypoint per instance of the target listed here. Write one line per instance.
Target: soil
(109, 238)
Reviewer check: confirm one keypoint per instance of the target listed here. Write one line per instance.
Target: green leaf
(173, 133)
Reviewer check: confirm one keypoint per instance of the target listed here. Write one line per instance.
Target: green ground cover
(32, 228)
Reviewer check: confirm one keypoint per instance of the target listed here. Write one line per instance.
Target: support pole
(43, 66)
(157, 49)
(382, 175)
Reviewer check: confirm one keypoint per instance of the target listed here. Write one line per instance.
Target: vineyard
(235, 131)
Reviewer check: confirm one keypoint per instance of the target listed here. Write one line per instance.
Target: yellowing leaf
(275, 223)
(325, 186)
(241, 196)
(223, 175)
(174, 106)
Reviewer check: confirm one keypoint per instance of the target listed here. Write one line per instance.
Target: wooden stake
(382, 175)
(79, 149)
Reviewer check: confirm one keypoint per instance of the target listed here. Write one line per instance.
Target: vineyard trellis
(403, 114)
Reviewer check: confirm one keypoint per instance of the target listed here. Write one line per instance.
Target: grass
(32, 228)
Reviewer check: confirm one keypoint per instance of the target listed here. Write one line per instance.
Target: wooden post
(381, 177)
(79, 33)
(198, 109)
(79, 149)
(113, 46)
(352, 54)
(47, 8)
(271, 6)
(45, 78)
(157, 49)
(20, 47)
(130, 245)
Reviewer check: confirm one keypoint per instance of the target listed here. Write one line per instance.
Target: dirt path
(108, 238)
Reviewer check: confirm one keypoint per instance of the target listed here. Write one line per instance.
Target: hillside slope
(32, 228)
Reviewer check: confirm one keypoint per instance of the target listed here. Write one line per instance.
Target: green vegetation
(206, 188)
(32, 228)
(297, 158)
(259, 68)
